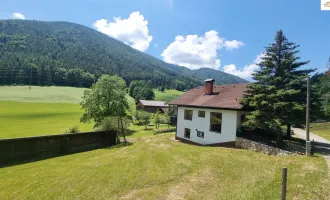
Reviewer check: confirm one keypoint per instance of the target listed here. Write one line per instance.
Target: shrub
(165, 130)
(74, 129)
(145, 118)
(113, 124)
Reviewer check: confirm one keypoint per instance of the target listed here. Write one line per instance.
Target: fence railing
(20, 149)
(271, 141)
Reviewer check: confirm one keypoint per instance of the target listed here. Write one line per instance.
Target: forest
(68, 54)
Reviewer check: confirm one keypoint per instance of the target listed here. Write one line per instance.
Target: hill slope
(63, 53)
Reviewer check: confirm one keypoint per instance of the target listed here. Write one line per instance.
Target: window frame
(215, 131)
(201, 111)
(185, 116)
(185, 133)
(200, 134)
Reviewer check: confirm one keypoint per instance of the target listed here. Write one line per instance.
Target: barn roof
(153, 103)
(224, 96)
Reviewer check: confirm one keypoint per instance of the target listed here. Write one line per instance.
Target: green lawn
(321, 129)
(21, 119)
(167, 95)
(159, 167)
(41, 94)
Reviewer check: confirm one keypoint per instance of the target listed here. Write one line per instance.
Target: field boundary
(20, 150)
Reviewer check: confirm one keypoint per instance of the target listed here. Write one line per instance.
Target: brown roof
(224, 96)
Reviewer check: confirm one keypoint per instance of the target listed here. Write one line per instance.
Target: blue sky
(228, 35)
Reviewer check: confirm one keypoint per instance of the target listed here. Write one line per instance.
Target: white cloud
(133, 30)
(246, 71)
(17, 15)
(195, 51)
(233, 44)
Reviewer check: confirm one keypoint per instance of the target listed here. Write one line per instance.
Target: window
(200, 134)
(187, 133)
(215, 122)
(201, 114)
(188, 114)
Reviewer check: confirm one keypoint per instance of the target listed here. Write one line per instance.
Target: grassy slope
(321, 129)
(159, 167)
(20, 119)
(41, 110)
(167, 95)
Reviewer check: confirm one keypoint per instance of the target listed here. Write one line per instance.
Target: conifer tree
(278, 95)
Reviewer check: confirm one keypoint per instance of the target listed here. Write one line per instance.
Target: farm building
(210, 115)
(152, 106)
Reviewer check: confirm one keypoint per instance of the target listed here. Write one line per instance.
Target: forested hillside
(63, 53)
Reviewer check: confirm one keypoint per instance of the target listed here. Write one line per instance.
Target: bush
(113, 124)
(74, 129)
(166, 130)
(145, 118)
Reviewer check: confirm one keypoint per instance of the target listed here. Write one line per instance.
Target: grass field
(41, 94)
(41, 110)
(321, 129)
(167, 95)
(21, 119)
(159, 167)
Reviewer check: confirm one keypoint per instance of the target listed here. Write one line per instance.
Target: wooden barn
(152, 106)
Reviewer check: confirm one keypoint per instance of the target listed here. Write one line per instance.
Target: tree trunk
(122, 129)
(279, 136)
(288, 130)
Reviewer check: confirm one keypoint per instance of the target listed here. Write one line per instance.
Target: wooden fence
(21, 149)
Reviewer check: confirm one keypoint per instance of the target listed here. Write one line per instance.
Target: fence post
(284, 177)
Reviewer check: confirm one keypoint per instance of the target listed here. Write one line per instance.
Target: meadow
(321, 129)
(159, 167)
(36, 111)
(167, 95)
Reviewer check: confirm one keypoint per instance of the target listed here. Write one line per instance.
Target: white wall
(228, 127)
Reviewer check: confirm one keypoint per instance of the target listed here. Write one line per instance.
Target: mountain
(63, 53)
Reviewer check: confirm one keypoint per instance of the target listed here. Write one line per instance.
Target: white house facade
(200, 127)
(210, 115)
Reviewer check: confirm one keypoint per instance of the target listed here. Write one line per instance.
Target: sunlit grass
(321, 129)
(158, 167)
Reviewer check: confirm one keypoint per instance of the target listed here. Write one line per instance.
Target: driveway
(321, 145)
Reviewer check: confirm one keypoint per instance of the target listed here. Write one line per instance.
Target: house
(210, 115)
(152, 106)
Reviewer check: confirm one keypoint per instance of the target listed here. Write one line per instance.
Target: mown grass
(167, 95)
(159, 167)
(41, 94)
(21, 119)
(321, 129)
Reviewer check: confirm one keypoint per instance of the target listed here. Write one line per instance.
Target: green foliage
(145, 118)
(113, 124)
(106, 98)
(278, 95)
(166, 130)
(141, 90)
(167, 95)
(161, 118)
(74, 129)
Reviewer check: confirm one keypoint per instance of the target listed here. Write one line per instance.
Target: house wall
(228, 128)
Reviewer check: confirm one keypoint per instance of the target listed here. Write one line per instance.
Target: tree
(145, 118)
(107, 98)
(278, 95)
(141, 90)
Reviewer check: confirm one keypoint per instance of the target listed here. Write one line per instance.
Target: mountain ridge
(47, 46)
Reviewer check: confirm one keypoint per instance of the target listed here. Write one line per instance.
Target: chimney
(208, 90)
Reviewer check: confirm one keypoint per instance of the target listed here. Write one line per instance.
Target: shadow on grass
(11, 163)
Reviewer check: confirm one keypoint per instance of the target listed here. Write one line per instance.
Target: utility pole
(308, 143)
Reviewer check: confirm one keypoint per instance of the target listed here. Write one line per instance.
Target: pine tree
(278, 95)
